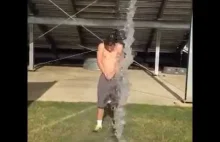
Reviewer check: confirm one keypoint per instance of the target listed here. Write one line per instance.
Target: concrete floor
(72, 84)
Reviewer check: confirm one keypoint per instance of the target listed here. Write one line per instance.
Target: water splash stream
(122, 77)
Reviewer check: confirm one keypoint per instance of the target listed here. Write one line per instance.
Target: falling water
(122, 78)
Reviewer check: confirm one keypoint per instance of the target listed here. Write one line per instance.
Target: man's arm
(99, 57)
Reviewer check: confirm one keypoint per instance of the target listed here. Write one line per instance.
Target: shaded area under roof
(68, 37)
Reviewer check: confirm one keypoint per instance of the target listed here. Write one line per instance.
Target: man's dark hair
(110, 40)
(119, 34)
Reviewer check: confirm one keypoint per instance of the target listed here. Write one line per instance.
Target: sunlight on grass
(144, 123)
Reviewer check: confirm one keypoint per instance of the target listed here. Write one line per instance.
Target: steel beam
(150, 39)
(73, 3)
(77, 47)
(153, 31)
(117, 9)
(161, 10)
(188, 90)
(31, 48)
(49, 39)
(106, 23)
(157, 53)
(43, 28)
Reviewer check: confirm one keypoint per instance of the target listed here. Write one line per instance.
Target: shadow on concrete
(61, 63)
(37, 89)
(165, 86)
(58, 65)
(153, 94)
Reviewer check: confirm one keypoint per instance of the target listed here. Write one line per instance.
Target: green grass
(145, 123)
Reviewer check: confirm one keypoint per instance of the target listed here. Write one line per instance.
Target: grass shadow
(37, 89)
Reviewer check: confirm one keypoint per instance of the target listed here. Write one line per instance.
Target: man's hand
(110, 75)
(107, 77)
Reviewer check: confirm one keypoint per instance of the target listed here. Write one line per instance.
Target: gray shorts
(105, 89)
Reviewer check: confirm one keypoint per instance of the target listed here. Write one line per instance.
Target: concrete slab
(80, 85)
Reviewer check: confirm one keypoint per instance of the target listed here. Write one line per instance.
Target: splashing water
(122, 78)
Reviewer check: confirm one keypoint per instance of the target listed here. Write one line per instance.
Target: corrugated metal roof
(68, 37)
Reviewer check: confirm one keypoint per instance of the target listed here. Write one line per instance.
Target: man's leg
(115, 101)
(102, 87)
(100, 114)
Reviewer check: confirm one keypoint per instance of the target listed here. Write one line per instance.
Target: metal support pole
(157, 53)
(31, 48)
(188, 90)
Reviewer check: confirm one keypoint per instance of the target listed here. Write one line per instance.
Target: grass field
(67, 122)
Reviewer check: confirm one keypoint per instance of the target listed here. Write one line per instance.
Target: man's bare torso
(110, 60)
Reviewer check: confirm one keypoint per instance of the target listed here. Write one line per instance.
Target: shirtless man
(108, 57)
